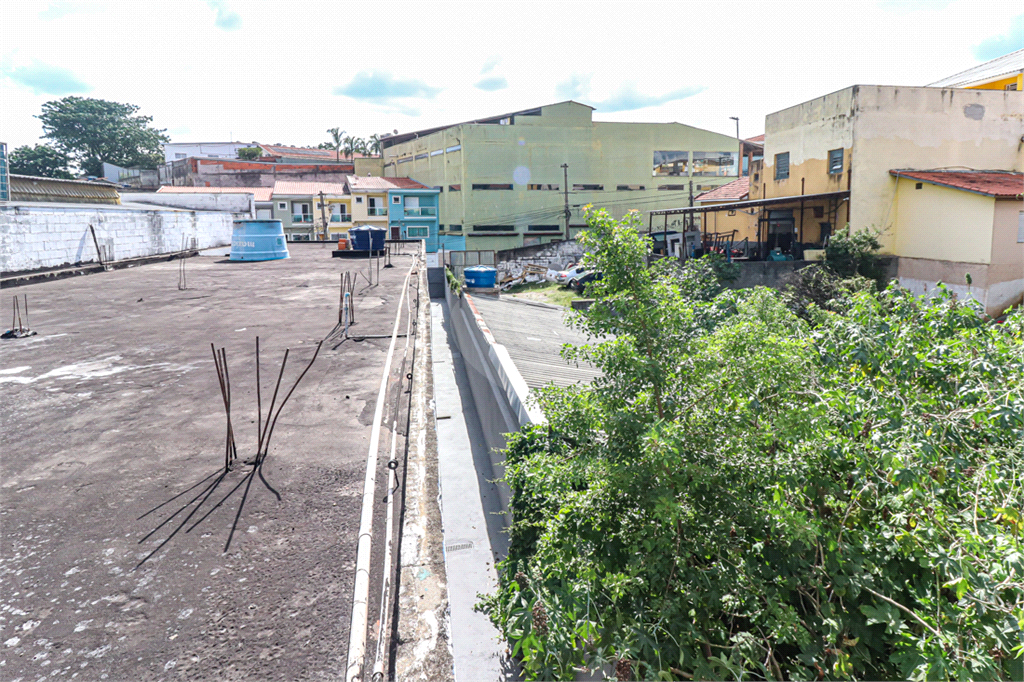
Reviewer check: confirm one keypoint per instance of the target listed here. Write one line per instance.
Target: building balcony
(341, 218)
(377, 211)
(303, 218)
(421, 211)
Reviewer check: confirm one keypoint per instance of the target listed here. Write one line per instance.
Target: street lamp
(739, 144)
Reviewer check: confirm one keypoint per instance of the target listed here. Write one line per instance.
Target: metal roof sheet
(261, 194)
(999, 184)
(533, 334)
(993, 69)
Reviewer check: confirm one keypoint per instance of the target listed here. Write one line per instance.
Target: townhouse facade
(311, 211)
(504, 181)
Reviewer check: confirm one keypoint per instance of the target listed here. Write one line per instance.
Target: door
(264, 214)
(396, 232)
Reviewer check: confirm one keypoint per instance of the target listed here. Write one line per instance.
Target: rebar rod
(266, 445)
(227, 383)
(259, 402)
(259, 455)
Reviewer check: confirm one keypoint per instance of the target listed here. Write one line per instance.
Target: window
(835, 162)
(359, 200)
(405, 160)
(454, 188)
(819, 211)
(282, 206)
(630, 188)
(673, 188)
(417, 232)
(454, 148)
(494, 228)
(396, 199)
(422, 156)
(455, 228)
(549, 186)
(671, 163)
(1020, 227)
(179, 156)
(544, 228)
(436, 152)
(714, 164)
(587, 188)
(782, 166)
(919, 185)
(491, 185)
(757, 177)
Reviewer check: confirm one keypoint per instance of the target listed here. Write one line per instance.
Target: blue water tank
(258, 240)
(480, 277)
(367, 237)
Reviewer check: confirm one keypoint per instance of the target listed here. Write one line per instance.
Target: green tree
(337, 140)
(354, 145)
(41, 160)
(748, 494)
(373, 145)
(250, 153)
(92, 131)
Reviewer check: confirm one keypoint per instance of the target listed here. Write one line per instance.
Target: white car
(564, 276)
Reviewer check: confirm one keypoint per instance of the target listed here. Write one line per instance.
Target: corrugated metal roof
(534, 334)
(999, 184)
(33, 188)
(306, 152)
(309, 189)
(406, 183)
(262, 194)
(736, 190)
(1000, 67)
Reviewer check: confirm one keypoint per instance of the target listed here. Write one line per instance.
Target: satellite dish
(396, 132)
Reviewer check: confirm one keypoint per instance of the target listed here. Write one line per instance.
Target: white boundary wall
(35, 236)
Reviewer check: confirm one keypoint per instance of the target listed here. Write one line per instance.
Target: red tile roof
(757, 139)
(309, 189)
(261, 193)
(325, 154)
(737, 190)
(406, 183)
(999, 184)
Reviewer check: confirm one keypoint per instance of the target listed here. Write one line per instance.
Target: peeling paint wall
(34, 236)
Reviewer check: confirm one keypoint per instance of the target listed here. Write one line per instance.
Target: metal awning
(756, 203)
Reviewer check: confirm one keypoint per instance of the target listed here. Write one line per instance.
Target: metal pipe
(259, 455)
(360, 597)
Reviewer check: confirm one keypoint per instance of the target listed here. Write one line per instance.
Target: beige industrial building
(504, 179)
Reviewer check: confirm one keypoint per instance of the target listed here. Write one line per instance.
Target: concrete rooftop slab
(125, 554)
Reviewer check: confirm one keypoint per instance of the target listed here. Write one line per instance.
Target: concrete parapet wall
(41, 236)
(499, 390)
(232, 203)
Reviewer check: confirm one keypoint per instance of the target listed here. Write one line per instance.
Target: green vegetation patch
(748, 493)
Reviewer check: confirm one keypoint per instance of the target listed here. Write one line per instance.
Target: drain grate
(458, 546)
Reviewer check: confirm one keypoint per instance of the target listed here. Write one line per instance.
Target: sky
(285, 72)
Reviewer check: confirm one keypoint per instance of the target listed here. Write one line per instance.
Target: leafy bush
(454, 283)
(748, 494)
(852, 254)
(250, 153)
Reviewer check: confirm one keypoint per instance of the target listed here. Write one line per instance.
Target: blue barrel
(480, 276)
(367, 237)
(258, 240)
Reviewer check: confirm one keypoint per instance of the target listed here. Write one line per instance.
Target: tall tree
(373, 144)
(337, 140)
(42, 160)
(92, 131)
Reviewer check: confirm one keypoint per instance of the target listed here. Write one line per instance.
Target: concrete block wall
(42, 236)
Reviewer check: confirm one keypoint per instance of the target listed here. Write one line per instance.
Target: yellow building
(369, 200)
(1002, 73)
(951, 225)
(298, 206)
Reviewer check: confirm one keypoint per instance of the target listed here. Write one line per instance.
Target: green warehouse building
(502, 182)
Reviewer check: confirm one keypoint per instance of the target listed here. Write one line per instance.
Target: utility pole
(565, 193)
(739, 144)
(323, 214)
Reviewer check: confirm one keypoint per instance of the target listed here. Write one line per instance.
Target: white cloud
(272, 77)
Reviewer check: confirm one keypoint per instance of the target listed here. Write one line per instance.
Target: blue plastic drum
(258, 240)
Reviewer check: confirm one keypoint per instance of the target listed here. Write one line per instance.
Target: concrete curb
(37, 276)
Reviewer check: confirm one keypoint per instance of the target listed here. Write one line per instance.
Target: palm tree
(352, 145)
(337, 140)
(374, 144)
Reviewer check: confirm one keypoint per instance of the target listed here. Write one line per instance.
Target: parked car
(564, 276)
(579, 284)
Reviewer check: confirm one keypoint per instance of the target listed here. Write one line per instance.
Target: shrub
(749, 494)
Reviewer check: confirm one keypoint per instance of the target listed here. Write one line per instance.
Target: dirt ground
(127, 553)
